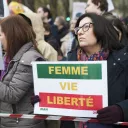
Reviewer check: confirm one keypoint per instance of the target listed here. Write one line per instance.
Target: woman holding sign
(16, 85)
(98, 40)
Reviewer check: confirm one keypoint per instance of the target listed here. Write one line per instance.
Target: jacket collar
(72, 55)
(120, 56)
(22, 50)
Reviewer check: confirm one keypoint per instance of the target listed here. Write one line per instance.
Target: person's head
(15, 8)
(119, 27)
(60, 22)
(14, 33)
(47, 28)
(44, 12)
(95, 32)
(97, 6)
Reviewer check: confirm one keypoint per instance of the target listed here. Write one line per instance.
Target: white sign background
(85, 87)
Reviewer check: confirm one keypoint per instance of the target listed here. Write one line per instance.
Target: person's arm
(117, 112)
(124, 104)
(124, 107)
(20, 83)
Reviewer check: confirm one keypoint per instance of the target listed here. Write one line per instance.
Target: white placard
(110, 5)
(76, 89)
(78, 7)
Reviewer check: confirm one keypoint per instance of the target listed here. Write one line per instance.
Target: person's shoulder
(30, 56)
(72, 55)
(121, 56)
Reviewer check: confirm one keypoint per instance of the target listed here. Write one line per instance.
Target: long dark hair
(45, 9)
(104, 31)
(103, 4)
(17, 32)
(116, 22)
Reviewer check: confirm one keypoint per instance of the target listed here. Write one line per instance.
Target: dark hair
(48, 11)
(103, 4)
(26, 18)
(47, 27)
(17, 32)
(104, 31)
(120, 26)
(61, 20)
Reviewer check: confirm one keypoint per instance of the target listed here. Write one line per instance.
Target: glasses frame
(78, 28)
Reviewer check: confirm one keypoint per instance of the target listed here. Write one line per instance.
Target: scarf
(81, 56)
(101, 55)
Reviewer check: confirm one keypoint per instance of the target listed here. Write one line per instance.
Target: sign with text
(77, 87)
(78, 8)
(4, 10)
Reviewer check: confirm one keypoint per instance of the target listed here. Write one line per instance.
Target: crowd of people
(96, 35)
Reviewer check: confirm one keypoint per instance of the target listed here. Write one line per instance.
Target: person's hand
(35, 99)
(110, 115)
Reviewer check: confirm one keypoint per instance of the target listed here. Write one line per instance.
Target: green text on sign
(69, 71)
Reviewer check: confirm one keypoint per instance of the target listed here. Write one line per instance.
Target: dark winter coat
(117, 64)
(16, 89)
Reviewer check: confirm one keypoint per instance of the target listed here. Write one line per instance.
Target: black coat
(53, 28)
(52, 41)
(117, 66)
(61, 33)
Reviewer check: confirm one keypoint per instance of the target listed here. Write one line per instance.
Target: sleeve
(124, 104)
(47, 51)
(20, 83)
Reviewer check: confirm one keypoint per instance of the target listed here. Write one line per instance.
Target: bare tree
(29, 3)
(66, 7)
(53, 5)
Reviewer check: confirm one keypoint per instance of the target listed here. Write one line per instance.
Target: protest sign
(75, 89)
(4, 11)
(110, 5)
(78, 8)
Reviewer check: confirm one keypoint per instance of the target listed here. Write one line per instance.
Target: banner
(76, 89)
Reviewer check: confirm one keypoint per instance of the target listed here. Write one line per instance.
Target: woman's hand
(110, 115)
(35, 99)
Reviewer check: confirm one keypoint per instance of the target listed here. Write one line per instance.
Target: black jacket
(117, 66)
(52, 41)
(53, 28)
(61, 33)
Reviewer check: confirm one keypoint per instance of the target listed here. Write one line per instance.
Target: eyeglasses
(85, 28)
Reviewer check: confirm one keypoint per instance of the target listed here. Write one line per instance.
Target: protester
(46, 15)
(97, 43)
(64, 36)
(16, 85)
(50, 38)
(122, 31)
(99, 7)
(48, 52)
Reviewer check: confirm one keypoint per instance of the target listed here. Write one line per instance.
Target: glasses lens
(85, 27)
